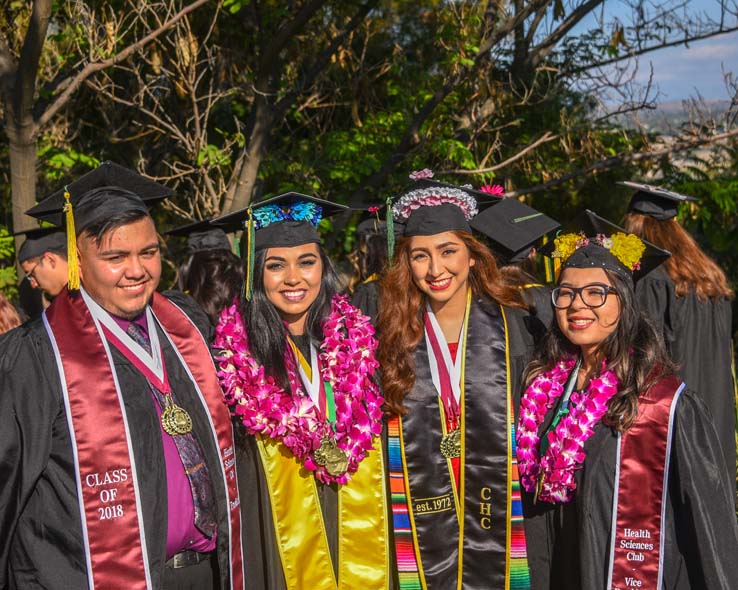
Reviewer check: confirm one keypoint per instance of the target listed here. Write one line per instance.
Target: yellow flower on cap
(628, 249)
(566, 245)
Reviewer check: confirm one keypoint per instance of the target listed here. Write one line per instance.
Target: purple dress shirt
(182, 534)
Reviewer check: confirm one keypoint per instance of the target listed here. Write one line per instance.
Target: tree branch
(540, 51)
(324, 58)
(616, 161)
(645, 50)
(91, 68)
(30, 55)
(292, 27)
(545, 138)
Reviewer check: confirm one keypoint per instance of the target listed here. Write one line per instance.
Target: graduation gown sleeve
(40, 542)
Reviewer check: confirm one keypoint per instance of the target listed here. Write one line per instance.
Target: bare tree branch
(540, 51)
(545, 138)
(619, 160)
(645, 50)
(93, 67)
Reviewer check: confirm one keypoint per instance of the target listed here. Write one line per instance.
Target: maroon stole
(107, 485)
(639, 499)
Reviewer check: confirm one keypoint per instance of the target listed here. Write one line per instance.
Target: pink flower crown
(433, 196)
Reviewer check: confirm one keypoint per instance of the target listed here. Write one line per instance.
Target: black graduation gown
(366, 298)
(41, 542)
(262, 562)
(521, 327)
(538, 298)
(569, 544)
(697, 334)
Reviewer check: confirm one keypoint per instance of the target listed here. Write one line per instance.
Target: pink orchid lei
(347, 363)
(565, 453)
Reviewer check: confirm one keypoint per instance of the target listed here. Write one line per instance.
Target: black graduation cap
(102, 192)
(429, 207)
(590, 225)
(40, 240)
(202, 236)
(513, 227)
(655, 201)
(285, 221)
(109, 189)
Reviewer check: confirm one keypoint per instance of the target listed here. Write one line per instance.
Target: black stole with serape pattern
(462, 533)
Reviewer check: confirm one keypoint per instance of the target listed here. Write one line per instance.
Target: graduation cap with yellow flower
(591, 241)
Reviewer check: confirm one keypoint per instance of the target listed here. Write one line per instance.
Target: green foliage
(8, 275)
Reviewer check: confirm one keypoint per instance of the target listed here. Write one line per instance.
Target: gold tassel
(250, 253)
(72, 262)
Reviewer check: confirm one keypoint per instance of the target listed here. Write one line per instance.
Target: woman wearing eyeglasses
(619, 462)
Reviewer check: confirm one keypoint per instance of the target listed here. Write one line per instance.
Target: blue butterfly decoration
(299, 211)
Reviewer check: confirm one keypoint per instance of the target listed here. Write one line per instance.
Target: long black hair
(264, 326)
(634, 351)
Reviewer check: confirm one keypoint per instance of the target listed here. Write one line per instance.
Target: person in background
(212, 275)
(619, 460)
(43, 257)
(117, 466)
(297, 365)
(9, 317)
(370, 261)
(689, 299)
(453, 345)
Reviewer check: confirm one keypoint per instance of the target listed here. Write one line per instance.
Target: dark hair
(213, 278)
(400, 322)
(689, 267)
(634, 351)
(60, 251)
(98, 229)
(264, 326)
(369, 258)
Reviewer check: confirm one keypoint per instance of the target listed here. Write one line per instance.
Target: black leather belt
(186, 558)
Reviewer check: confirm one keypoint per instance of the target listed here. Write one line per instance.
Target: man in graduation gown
(116, 466)
(43, 257)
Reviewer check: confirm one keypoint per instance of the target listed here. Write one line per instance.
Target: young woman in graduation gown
(296, 365)
(453, 344)
(620, 462)
(689, 300)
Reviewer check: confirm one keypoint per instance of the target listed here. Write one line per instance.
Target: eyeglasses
(29, 275)
(592, 295)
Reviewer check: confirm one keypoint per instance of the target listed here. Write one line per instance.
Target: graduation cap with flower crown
(591, 241)
(285, 221)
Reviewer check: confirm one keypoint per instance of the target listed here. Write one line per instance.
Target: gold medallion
(451, 444)
(175, 420)
(331, 457)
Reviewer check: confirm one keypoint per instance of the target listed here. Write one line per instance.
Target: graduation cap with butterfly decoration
(284, 221)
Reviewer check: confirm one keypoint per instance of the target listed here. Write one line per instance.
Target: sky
(681, 72)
